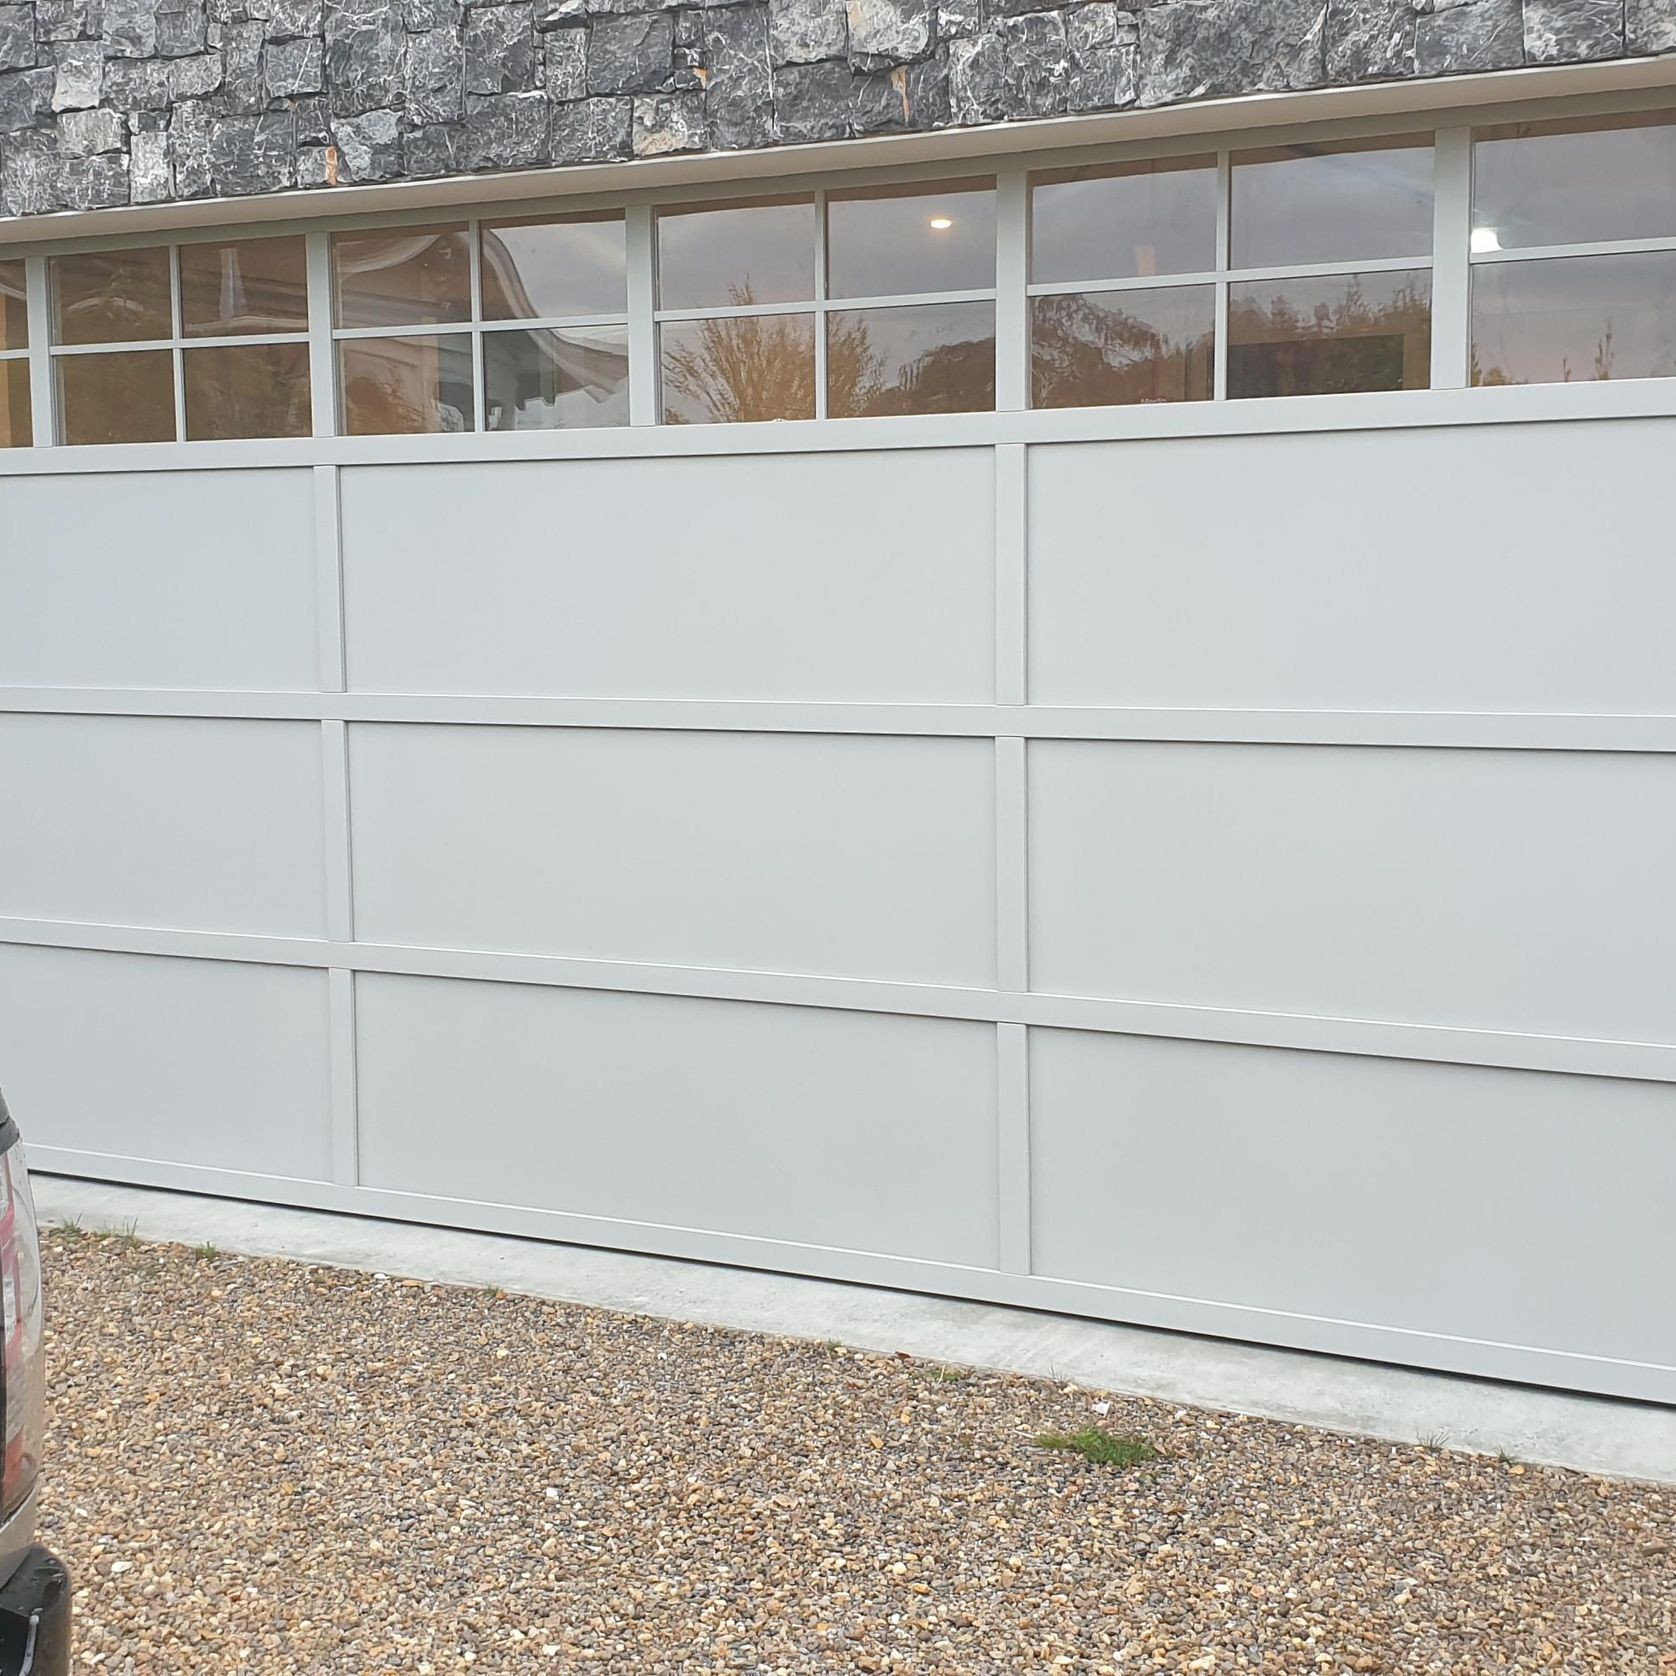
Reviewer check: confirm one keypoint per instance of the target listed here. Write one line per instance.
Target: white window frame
(1451, 263)
(477, 326)
(177, 343)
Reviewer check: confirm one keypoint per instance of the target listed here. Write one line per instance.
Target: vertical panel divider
(1012, 867)
(1012, 323)
(821, 346)
(642, 300)
(479, 384)
(38, 312)
(1451, 259)
(177, 329)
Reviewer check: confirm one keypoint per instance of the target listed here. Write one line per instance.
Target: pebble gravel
(272, 1467)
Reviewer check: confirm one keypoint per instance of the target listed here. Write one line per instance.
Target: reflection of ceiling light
(941, 223)
(1484, 239)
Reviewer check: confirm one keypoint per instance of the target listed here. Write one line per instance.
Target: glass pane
(402, 276)
(125, 397)
(246, 285)
(746, 367)
(1318, 203)
(541, 270)
(552, 380)
(1105, 348)
(257, 390)
(1316, 337)
(403, 386)
(936, 358)
(732, 255)
(1571, 182)
(885, 241)
(16, 428)
(1127, 222)
(1578, 318)
(111, 296)
(14, 312)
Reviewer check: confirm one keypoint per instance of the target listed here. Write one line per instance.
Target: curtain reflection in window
(556, 379)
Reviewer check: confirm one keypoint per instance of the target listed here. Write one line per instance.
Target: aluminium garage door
(1203, 867)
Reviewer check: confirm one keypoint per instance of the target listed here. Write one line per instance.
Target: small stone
(293, 20)
(368, 146)
(364, 50)
(505, 131)
(1021, 68)
(1573, 31)
(807, 31)
(80, 79)
(193, 78)
(907, 96)
(500, 50)
(436, 77)
(145, 84)
(663, 123)
(1192, 49)
(94, 182)
(29, 174)
(1650, 26)
(592, 130)
(87, 133)
(130, 28)
(565, 55)
(812, 101)
(1370, 40)
(1469, 35)
(317, 166)
(292, 69)
(249, 154)
(150, 174)
(555, 14)
(242, 82)
(436, 149)
(182, 28)
(25, 99)
(740, 93)
(68, 20)
(17, 38)
(886, 32)
(630, 54)
(1104, 73)
(419, 17)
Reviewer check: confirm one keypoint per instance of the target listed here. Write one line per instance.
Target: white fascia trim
(1418, 97)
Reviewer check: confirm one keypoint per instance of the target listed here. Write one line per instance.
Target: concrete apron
(1593, 1434)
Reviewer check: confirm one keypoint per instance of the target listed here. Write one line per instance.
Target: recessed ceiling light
(941, 222)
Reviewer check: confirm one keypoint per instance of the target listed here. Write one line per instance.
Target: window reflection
(17, 427)
(552, 379)
(1349, 201)
(128, 396)
(731, 255)
(403, 276)
(14, 311)
(1124, 222)
(1574, 182)
(1574, 319)
(112, 296)
(885, 241)
(1111, 348)
(934, 358)
(1304, 337)
(259, 389)
(242, 286)
(406, 385)
(739, 369)
(545, 270)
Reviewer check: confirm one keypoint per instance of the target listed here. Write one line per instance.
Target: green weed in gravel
(1101, 1447)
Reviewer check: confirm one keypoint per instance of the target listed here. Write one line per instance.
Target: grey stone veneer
(106, 102)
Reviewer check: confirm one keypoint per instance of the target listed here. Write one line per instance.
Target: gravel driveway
(262, 1466)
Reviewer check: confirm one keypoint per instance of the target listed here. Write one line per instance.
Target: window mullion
(322, 356)
(642, 331)
(820, 303)
(177, 358)
(480, 393)
(1224, 236)
(1451, 259)
(43, 398)
(1012, 323)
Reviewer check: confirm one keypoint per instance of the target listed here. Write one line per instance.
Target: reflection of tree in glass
(761, 366)
(946, 378)
(1088, 351)
(1349, 343)
(1605, 363)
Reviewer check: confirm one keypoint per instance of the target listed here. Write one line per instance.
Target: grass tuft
(1102, 1447)
(207, 1251)
(949, 1376)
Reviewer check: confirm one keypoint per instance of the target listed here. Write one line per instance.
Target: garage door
(1196, 863)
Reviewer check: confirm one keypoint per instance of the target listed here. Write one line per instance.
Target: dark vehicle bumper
(35, 1617)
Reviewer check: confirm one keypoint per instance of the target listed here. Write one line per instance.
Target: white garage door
(1204, 866)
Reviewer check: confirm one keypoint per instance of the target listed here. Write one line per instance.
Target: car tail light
(23, 1402)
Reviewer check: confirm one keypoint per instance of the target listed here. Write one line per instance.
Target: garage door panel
(178, 1061)
(816, 577)
(849, 1130)
(199, 579)
(1428, 569)
(853, 856)
(203, 825)
(1508, 890)
(1514, 1207)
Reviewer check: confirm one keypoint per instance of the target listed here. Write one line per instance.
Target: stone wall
(107, 102)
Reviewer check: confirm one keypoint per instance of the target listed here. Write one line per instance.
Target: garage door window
(828, 305)
(511, 325)
(1574, 251)
(16, 430)
(205, 341)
